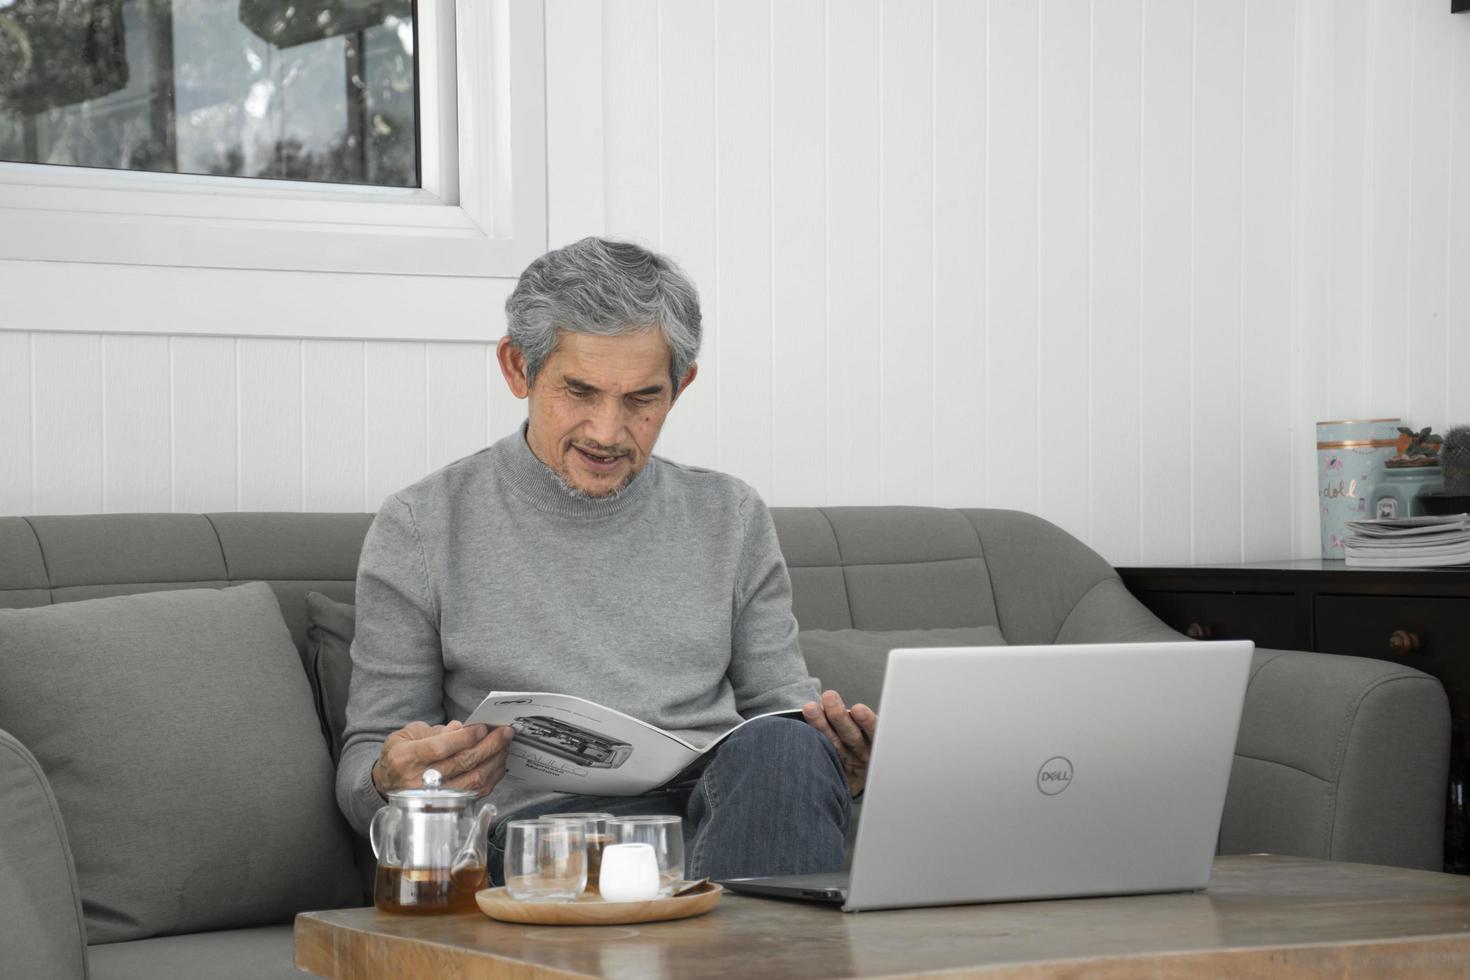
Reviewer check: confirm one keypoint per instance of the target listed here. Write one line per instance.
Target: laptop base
(830, 887)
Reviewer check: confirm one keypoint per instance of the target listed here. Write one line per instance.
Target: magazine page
(568, 744)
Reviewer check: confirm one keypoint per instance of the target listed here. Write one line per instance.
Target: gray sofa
(1337, 758)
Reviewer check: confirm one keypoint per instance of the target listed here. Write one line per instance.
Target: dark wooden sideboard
(1418, 617)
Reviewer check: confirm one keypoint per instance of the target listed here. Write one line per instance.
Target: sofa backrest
(885, 568)
(899, 568)
(868, 568)
(47, 560)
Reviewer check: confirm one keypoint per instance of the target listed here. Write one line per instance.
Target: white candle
(629, 873)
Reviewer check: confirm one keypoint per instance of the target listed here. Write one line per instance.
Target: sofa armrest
(40, 904)
(1109, 613)
(1340, 758)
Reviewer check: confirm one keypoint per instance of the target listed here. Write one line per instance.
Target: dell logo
(1054, 775)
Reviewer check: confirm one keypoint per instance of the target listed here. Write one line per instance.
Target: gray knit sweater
(670, 602)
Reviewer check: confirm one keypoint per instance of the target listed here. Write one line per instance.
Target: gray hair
(603, 287)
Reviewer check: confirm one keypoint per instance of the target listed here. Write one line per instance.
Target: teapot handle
(376, 830)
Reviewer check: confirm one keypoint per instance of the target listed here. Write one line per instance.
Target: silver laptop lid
(1003, 773)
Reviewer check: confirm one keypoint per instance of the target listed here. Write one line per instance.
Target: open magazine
(567, 744)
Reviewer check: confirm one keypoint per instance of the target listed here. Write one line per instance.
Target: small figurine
(1416, 448)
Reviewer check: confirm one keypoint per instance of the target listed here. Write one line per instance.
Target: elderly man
(567, 557)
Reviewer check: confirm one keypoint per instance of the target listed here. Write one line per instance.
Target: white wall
(1103, 261)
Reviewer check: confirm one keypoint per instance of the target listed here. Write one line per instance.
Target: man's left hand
(850, 732)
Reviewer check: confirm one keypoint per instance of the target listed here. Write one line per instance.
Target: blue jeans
(772, 801)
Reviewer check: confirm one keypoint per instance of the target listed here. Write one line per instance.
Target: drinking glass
(665, 833)
(594, 829)
(545, 861)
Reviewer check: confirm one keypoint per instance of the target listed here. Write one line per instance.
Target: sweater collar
(541, 486)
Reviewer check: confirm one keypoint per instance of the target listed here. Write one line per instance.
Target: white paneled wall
(1104, 261)
(132, 423)
(1115, 290)
(960, 273)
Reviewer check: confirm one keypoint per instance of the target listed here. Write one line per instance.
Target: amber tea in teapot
(429, 889)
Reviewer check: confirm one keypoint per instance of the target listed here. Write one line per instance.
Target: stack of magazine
(1409, 542)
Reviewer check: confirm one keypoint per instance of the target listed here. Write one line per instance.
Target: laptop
(1010, 773)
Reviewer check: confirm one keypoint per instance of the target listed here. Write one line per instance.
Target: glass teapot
(430, 844)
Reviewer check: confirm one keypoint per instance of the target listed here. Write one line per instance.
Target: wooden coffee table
(1261, 916)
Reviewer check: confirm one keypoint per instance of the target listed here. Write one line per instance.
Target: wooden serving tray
(589, 910)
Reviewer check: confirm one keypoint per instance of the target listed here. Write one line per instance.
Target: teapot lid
(432, 794)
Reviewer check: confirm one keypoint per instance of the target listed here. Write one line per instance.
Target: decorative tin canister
(1350, 456)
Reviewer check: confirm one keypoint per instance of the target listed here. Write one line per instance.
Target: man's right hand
(467, 756)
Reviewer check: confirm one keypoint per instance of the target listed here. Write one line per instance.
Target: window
(311, 90)
(394, 137)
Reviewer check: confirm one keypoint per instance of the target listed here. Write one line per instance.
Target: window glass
(316, 90)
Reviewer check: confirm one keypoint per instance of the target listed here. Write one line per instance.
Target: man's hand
(850, 732)
(468, 757)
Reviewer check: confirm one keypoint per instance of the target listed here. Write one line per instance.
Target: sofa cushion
(852, 661)
(178, 732)
(329, 655)
(262, 953)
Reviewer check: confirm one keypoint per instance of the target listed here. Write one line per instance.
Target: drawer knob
(1404, 641)
(1197, 631)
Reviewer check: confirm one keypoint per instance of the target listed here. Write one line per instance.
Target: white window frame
(481, 212)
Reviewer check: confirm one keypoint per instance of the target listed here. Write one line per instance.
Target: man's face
(597, 405)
